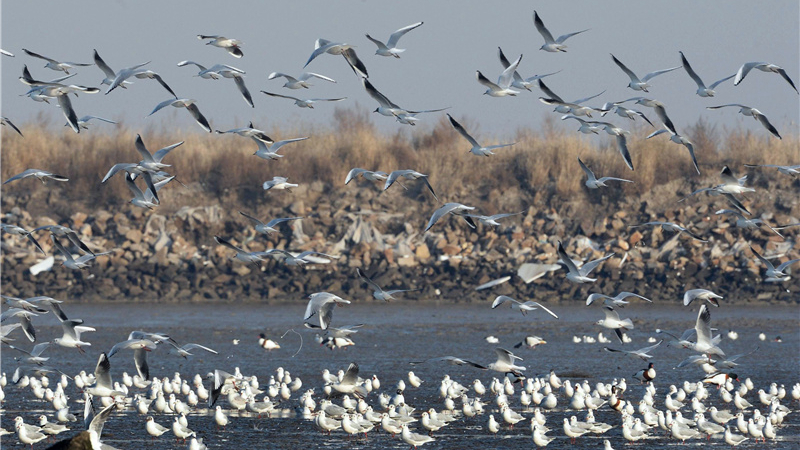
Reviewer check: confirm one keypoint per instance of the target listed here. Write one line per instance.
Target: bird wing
(199, 66)
(306, 75)
(764, 121)
(137, 193)
(735, 202)
(462, 131)
(161, 81)
(274, 222)
(100, 418)
(161, 105)
(198, 116)
(392, 43)
(354, 173)
(564, 37)
(716, 83)
(21, 175)
(785, 76)
(36, 55)
(102, 371)
(594, 297)
(691, 72)
(351, 374)
(703, 325)
(282, 96)
(274, 75)
(505, 356)
(786, 264)
(355, 63)
(648, 349)
(565, 259)
(277, 145)
(159, 155)
(243, 89)
(189, 347)
(588, 171)
(430, 188)
(380, 44)
(225, 243)
(504, 80)
(377, 96)
(537, 21)
(763, 260)
(533, 303)
(500, 299)
(659, 72)
(611, 314)
(323, 46)
(585, 99)
(744, 70)
(373, 284)
(486, 82)
(624, 295)
(549, 93)
(69, 113)
(587, 268)
(98, 61)
(447, 208)
(625, 69)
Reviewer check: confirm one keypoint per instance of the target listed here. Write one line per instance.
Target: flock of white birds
(344, 404)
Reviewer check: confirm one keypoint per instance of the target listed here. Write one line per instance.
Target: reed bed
(541, 165)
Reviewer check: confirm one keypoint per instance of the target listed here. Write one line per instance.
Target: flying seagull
(232, 46)
(52, 64)
(477, 149)
(575, 274)
(702, 90)
(550, 44)
(755, 114)
(764, 67)
(640, 84)
(592, 182)
(190, 105)
(530, 305)
(390, 48)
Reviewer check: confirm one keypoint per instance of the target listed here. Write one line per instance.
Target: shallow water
(394, 335)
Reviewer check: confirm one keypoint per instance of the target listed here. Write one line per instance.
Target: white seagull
(450, 208)
(63, 66)
(379, 293)
(390, 48)
(774, 274)
(755, 114)
(702, 90)
(477, 149)
(505, 362)
(643, 353)
(268, 228)
(575, 274)
(322, 305)
(305, 102)
(301, 82)
(503, 86)
(408, 174)
(592, 182)
(678, 139)
(279, 183)
(42, 175)
(613, 322)
(519, 82)
(138, 72)
(764, 67)
(550, 44)
(232, 46)
(640, 84)
(190, 106)
(530, 305)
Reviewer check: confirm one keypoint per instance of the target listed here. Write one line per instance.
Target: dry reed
(541, 165)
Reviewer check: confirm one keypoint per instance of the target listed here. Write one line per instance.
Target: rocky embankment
(169, 255)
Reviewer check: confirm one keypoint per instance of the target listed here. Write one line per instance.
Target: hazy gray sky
(437, 70)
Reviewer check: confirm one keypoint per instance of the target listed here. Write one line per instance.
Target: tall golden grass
(543, 162)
